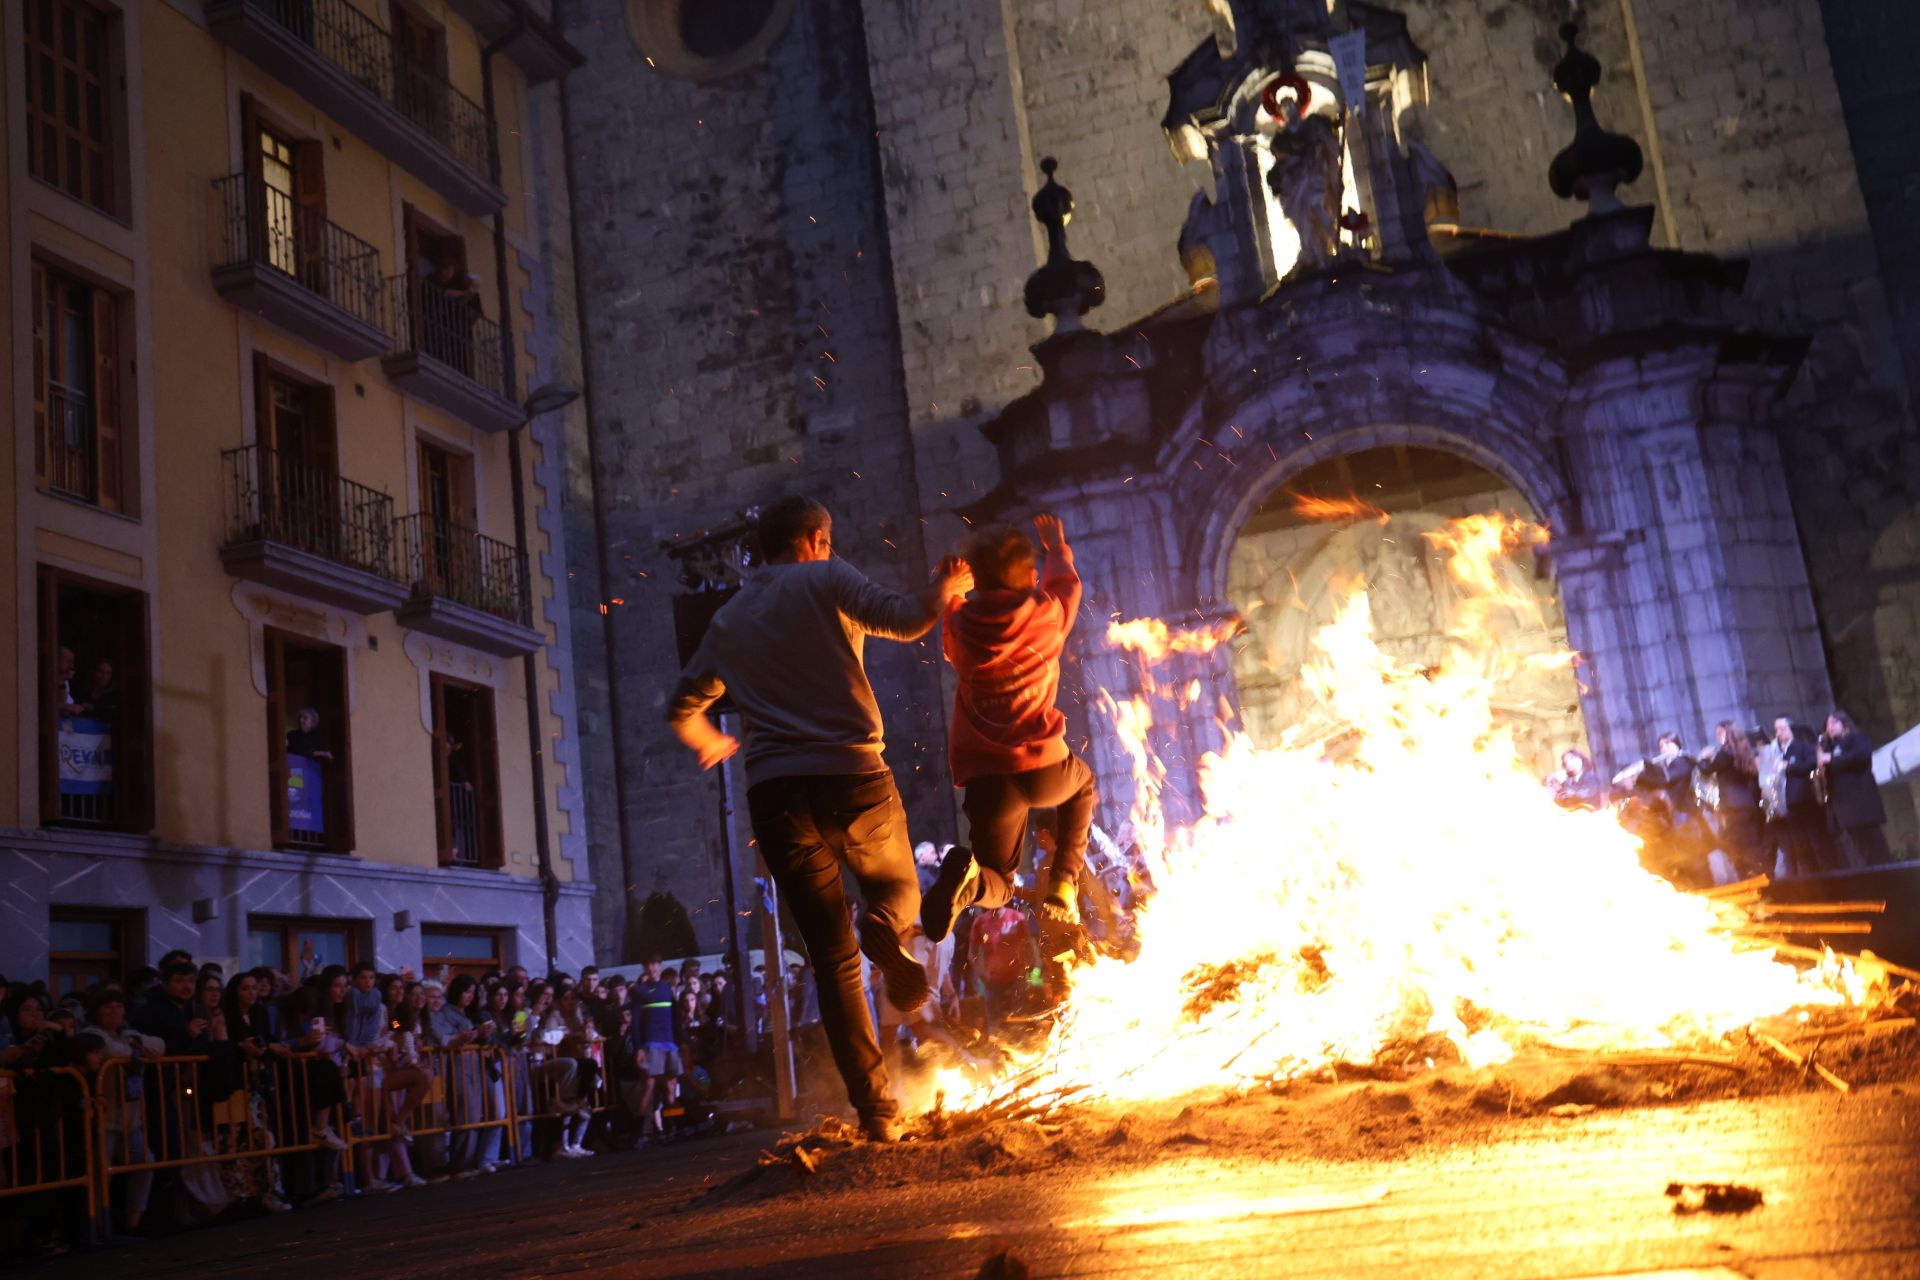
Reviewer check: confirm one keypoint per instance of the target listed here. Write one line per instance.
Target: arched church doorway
(1298, 558)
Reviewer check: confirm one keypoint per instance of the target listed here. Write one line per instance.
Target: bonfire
(1391, 884)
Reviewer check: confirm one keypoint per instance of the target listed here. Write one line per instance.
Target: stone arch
(1291, 575)
(1209, 541)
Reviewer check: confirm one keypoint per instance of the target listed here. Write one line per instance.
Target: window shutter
(264, 517)
(258, 244)
(442, 788)
(277, 737)
(133, 739)
(310, 219)
(486, 780)
(49, 584)
(340, 810)
(39, 291)
(106, 399)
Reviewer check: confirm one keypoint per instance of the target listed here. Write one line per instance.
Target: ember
(1393, 874)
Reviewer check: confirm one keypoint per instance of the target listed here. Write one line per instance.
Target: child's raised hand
(1048, 526)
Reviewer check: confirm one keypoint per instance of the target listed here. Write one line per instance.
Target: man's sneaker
(488, 1166)
(274, 1204)
(412, 1180)
(378, 1186)
(954, 890)
(882, 1129)
(1062, 902)
(907, 986)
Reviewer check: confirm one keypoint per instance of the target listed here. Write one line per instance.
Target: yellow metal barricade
(543, 1085)
(458, 1098)
(183, 1122)
(47, 1143)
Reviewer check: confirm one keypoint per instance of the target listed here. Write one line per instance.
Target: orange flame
(1156, 641)
(1309, 507)
(1394, 875)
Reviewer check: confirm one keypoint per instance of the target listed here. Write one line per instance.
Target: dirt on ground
(1348, 1112)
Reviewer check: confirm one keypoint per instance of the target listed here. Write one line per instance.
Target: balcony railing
(272, 497)
(463, 809)
(71, 445)
(429, 321)
(456, 563)
(259, 223)
(362, 49)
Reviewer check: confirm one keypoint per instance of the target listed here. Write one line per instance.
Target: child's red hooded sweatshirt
(1005, 647)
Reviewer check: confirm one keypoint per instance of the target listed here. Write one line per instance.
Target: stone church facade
(808, 260)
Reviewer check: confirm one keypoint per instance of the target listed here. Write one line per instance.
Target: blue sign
(86, 757)
(306, 802)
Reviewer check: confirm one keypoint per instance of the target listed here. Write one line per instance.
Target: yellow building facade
(291, 344)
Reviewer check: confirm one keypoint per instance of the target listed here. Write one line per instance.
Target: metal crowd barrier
(543, 1084)
(457, 1099)
(188, 1111)
(50, 1150)
(194, 1110)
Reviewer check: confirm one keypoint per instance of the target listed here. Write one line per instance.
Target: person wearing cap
(123, 1091)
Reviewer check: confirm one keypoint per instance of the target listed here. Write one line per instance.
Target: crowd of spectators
(321, 1081)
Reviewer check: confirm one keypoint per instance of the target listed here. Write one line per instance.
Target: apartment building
(291, 344)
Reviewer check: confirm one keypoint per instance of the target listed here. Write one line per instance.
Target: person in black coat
(1577, 786)
(1736, 799)
(1854, 810)
(1800, 826)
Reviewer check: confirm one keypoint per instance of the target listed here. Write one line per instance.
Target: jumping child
(1009, 742)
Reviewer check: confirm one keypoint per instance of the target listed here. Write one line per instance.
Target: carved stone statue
(1306, 180)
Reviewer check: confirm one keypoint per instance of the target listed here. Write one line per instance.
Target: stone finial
(1596, 161)
(1064, 287)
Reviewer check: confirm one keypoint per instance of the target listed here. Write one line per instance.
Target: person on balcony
(449, 306)
(102, 699)
(307, 740)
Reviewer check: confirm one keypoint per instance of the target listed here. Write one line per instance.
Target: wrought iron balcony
(450, 355)
(301, 528)
(286, 262)
(467, 587)
(347, 64)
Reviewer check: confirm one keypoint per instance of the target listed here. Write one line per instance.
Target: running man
(789, 647)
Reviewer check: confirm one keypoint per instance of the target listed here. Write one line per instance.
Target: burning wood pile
(1391, 891)
(1383, 926)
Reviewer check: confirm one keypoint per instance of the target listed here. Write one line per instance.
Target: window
(419, 70)
(94, 741)
(307, 743)
(466, 775)
(77, 414)
(287, 206)
(299, 477)
(70, 98)
(446, 509)
(443, 302)
(475, 952)
(301, 947)
(89, 947)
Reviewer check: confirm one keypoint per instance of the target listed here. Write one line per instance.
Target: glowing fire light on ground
(1387, 887)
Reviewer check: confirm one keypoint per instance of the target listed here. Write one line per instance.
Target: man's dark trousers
(808, 828)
